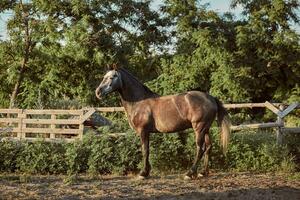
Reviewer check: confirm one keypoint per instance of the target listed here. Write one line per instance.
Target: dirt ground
(216, 186)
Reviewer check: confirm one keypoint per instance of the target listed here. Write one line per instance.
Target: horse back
(173, 112)
(178, 112)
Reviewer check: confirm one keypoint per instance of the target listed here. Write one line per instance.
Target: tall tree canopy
(270, 47)
(57, 50)
(254, 58)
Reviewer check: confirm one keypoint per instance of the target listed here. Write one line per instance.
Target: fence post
(19, 134)
(280, 121)
(81, 126)
(21, 125)
(52, 134)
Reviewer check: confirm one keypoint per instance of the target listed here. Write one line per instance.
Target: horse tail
(224, 124)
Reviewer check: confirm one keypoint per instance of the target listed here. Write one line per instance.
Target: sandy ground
(216, 186)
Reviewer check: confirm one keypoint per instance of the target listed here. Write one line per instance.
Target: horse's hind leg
(200, 130)
(207, 147)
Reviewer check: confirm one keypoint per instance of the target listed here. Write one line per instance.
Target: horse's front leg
(145, 149)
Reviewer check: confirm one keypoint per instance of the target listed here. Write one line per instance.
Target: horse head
(111, 82)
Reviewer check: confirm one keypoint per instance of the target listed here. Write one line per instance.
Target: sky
(3, 19)
(220, 6)
(217, 5)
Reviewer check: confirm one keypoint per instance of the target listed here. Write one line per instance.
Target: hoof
(200, 175)
(141, 177)
(187, 178)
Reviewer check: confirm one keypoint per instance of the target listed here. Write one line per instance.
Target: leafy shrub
(248, 151)
(77, 155)
(167, 152)
(128, 152)
(257, 151)
(9, 152)
(102, 157)
(57, 158)
(34, 158)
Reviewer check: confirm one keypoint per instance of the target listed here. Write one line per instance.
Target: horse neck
(133, 91)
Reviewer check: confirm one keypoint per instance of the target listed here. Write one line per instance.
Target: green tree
(22, 44)
(64, 45)
(57, 49)
(255, 58)
(268, 48)
(203, 57)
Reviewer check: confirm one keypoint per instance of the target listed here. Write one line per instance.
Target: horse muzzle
(102, 91)
(98, 93)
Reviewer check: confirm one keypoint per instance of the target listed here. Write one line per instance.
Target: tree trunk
(16, 90)
(27, 49)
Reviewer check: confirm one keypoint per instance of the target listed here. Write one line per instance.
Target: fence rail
(280, 109)
(51, 125)
(47, 124)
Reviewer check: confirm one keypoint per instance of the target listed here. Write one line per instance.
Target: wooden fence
(47, 124)
(69, 124)
(279, 109)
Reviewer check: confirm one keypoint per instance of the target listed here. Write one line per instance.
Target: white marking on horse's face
(110, 83)
(110, 74)
(109, 78)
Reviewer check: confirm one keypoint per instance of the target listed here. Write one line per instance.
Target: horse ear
(114, 66)
(109, 67)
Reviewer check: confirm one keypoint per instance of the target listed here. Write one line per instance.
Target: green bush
(102, 157)
(128, 153)
(77, 156)
(9, 152)
(57, 157)
(167, 152)
(248, 151)
(34, 157)
(257, 151)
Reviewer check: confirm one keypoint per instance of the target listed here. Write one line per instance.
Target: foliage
(128, 153)
(40, 157)
(9, 153)
(168, 152)
(57, 39)
(77, 157)
(253, 59)
(248, 151)
(249, 154)
(103, 155)
(270, 46)
(293, 119)
(57, 50)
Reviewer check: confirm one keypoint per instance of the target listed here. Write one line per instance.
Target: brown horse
(148, 112)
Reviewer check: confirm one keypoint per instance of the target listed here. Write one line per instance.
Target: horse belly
(169, 120)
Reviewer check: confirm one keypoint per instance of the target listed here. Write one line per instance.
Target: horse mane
(138, 81)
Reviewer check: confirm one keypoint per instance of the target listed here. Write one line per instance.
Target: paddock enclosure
(68, 125)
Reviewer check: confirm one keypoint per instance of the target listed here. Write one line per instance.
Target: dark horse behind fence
(148, 112)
